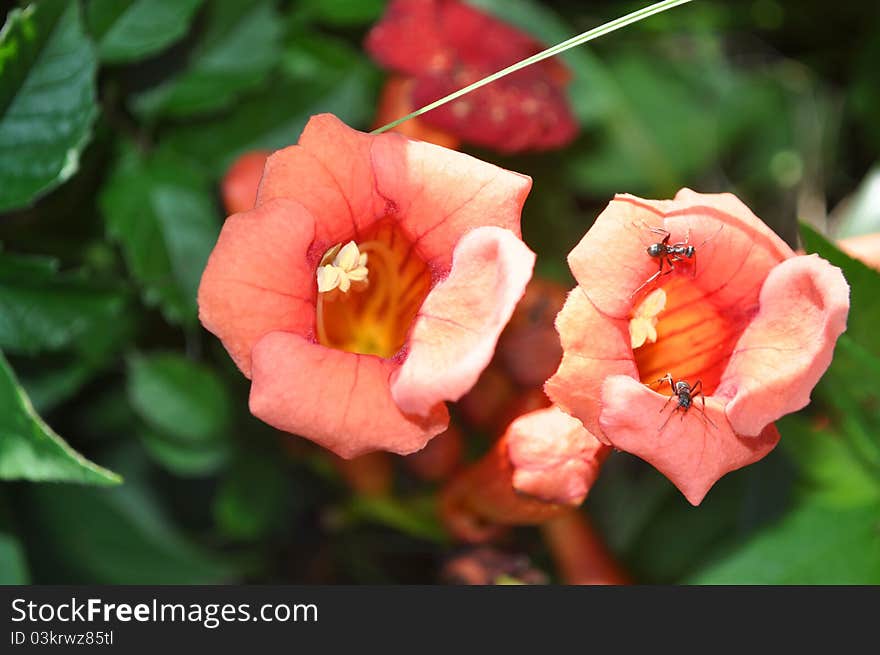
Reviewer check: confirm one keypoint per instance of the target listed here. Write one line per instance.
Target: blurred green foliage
(117, 122)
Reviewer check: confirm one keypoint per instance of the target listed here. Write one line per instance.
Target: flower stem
(575, 41)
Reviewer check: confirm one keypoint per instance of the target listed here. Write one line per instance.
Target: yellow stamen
(643, 324)
(370, 311)
(340, 266)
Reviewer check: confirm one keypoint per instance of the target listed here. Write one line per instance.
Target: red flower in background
(396, 102)
(367, 286)
(444, 45)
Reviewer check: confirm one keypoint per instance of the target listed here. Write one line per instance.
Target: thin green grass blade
(573, 42)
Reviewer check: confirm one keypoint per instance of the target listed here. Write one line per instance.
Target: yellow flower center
(688, 336)
(370, 292)
(643, 324)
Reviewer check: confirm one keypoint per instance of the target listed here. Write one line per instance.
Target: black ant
(685, 394)
(670, 253)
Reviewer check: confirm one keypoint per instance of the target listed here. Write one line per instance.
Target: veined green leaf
(30, 449)
(160, 211)
(127, 30)
(179, 397)
(241, 47)
(814, 544)
(42, 310)
(47, 99)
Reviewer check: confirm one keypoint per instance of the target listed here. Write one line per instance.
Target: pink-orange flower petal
(747, 324)
(544, 463)
(409, 206)
(330, 173)
(788, 345)
(688, 450)
(595, 346)
(609, 263)
(444, 194)
(554, 458)
(258, 280)
(454, 335)
(339, 400)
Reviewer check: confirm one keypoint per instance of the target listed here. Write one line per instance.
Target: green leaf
(851, 407)
(251, 500)
(343, 12)
(185, 459)
(321, 75)
(179, 398)
(832, 469)
(240, 48)
(415, 516)
(13, 563)
(41, 309)
(30, 450)
(662, 128)
(118, 536)
(127, 30)
(48, 387)
(814, 544)
(47, 99)
(864, 282)
(162, 214)
(622, 504)
(13, 566)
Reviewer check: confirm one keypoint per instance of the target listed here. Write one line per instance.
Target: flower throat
(369, 292)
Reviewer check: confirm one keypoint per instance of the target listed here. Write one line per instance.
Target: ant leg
(650, 279)
(653, 229)
(663, 425)
(698, 391)
(709, 238)
(642, 225)
(667, 378)
(671, 398)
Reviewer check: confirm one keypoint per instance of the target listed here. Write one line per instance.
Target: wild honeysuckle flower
(865, 248)
(444, 45)
(747, 318)
(239, 185)
(544, 463)
(426, 266)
